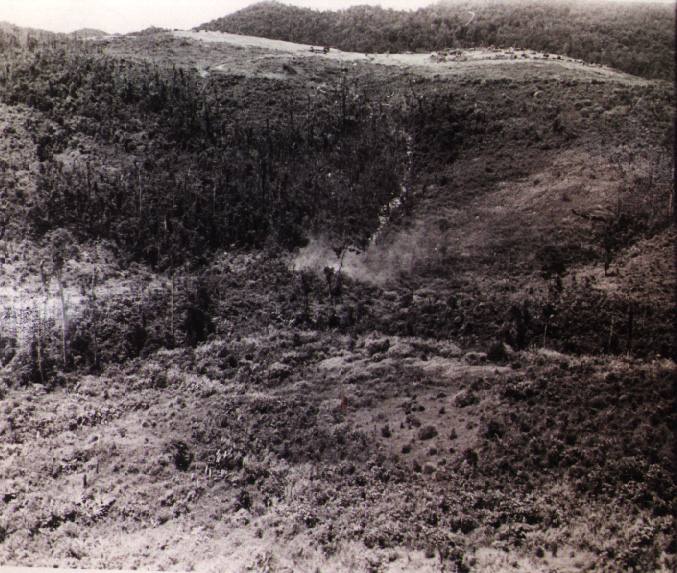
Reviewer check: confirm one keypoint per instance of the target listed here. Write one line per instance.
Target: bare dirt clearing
(455, 62)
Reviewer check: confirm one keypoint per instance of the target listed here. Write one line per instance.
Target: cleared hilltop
(637, 38)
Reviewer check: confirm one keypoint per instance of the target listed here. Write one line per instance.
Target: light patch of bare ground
(30, 292)
(565, 560)
(643, 271)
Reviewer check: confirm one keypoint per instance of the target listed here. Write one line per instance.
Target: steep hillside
(266, 308)
(637, 38)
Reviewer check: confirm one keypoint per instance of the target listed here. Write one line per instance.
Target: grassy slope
(294, 440)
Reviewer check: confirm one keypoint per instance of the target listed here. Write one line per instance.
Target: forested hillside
(194, 170)
(264, 308)
(637, 38)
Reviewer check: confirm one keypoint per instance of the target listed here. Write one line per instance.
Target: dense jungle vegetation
(171, 166)
(637, 38)
(193, 169)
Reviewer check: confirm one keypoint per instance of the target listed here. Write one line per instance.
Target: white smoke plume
(381, 263)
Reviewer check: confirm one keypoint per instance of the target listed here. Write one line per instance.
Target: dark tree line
(637, 38)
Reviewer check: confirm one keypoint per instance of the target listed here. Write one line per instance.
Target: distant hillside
(9, 28)
(88, 33)
(12, 36)
(150, 31)
(635, 38)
